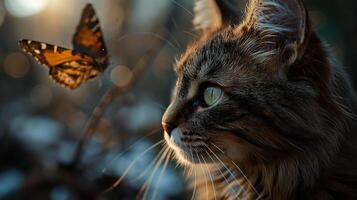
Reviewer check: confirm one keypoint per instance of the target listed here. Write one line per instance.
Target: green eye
(212, 95)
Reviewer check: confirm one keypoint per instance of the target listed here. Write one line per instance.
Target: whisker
(146, 186)
(238, 193)
(220, 171)
(234, 179)
(181, 6)
(156, 167)
(213, 187)
(151, 165)
(142, 190)
(204, 173)
(191, 34)
(219, 149)
(246, 178)
(240, 170)
(132, 164)
(167, 159)
(130, 147)
(225, 166)
(172, 36)
(194, 170)
(231, 189)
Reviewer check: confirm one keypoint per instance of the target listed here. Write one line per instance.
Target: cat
(261, 110)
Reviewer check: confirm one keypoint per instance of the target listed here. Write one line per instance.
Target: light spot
(37, 51)
(16, 65)
(43, 46)
(121, 75)
(55, 48)
(25, 8)
(29, 41)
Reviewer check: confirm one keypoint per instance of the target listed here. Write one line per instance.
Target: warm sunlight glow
(121, 75)
(25, 8)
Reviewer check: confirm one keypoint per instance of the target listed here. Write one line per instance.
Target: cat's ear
(282, 22)
(213, 14)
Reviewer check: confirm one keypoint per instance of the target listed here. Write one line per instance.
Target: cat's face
(225, 100)
(238, 95)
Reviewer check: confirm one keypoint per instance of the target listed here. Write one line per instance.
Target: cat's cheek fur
(225, 142)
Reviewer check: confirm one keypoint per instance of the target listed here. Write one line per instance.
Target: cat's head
(252, 90)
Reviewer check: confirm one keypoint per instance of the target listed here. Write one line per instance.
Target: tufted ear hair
(283, 23)
(213, 14)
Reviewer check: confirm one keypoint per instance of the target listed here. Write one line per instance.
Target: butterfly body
(71, 68)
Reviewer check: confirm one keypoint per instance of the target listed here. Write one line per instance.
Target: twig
(116, 91)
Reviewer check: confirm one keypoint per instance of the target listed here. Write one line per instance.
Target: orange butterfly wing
(66, 67)
(88, 38)
(71, 78)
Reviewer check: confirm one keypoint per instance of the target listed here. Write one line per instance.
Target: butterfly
(70, 68)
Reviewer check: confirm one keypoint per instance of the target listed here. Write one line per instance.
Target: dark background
(41, 122)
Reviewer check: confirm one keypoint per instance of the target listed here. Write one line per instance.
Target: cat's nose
(168, 127)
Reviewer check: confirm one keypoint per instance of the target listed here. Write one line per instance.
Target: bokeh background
(41, 123)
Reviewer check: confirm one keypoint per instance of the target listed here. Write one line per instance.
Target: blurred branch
(140, 68)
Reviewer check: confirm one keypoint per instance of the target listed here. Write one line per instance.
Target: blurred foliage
(41, 123)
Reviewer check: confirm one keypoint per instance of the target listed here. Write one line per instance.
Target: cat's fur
(287, 116)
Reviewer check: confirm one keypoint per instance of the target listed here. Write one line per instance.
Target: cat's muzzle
(183, 142)
(174, 138)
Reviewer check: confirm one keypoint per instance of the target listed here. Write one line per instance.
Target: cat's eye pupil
(212, 95)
